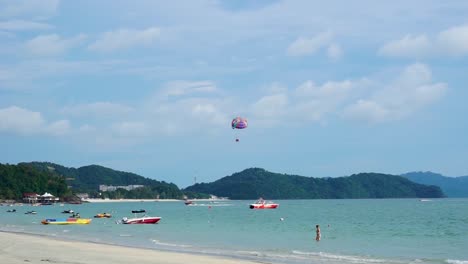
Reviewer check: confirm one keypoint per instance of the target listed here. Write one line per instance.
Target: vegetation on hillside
(451, 186)
(23, 178)
(88, 178)
(255, 182)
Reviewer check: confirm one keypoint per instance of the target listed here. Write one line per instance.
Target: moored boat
(141, 220)
(66, 221)
(262, 204)
(145, 219)
(103, 215)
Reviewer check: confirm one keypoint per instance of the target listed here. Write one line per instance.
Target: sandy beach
(23, 248)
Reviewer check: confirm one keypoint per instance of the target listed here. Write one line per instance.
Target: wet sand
(18, 248)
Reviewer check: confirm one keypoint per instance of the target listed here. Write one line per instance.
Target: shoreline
(147, 200)
(18, 248)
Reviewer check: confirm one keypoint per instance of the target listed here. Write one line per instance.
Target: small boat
(31, 212)
(66, 221)
(188, 202)
(67, 212)
(262, 204)
(103, 215)
(140, 219)
(139, 211)
(11, 211)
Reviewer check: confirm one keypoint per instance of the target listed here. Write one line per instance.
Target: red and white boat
(262, 204)
(141, 220)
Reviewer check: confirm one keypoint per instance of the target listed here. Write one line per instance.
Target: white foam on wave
(157, 242)
(456, 261)
(344, 258)
(211, 205)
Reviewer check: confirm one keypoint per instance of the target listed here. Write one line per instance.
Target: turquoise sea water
(353, 231)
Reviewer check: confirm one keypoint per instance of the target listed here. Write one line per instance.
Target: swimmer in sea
(317, 231)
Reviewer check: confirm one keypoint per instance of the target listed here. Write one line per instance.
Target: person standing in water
(317, 231)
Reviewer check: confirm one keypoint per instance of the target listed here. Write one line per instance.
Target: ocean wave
(456, 261)
(157, 242)
(345, 258)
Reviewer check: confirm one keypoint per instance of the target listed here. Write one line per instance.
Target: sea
(353, 231)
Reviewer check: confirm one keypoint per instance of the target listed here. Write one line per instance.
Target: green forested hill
(88, 178)
(22, 178)
(255, 182)
(451, 186)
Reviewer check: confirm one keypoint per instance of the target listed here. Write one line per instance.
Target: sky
(329, 88)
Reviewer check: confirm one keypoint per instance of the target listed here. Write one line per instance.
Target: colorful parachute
(239, 123)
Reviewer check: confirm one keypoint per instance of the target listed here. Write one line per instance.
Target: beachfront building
(111, 188)
(30, 198)
(47, 198)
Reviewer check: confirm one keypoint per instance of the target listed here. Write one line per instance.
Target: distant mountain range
(451, 186)
(255, 182)
(247, 184)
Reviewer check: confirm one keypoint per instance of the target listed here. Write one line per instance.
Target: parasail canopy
(239, 123)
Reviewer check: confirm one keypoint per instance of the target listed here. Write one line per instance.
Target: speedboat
(188, 202)
(103, 215)
(11, 211)
(140, 219)
(31, 212)
(66, 221)
(139, 211)
(67, 212)
(262, 204)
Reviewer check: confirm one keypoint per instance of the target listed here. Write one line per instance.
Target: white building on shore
(110, 188)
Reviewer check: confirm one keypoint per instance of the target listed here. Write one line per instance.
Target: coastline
(147, 200)
(18, 248)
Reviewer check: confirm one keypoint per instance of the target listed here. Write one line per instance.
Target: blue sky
(329, 89)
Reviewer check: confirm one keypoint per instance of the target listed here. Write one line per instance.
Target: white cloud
(39, 9)
(454, 41)
(334, 51)
(451, 42)
(124, 39)
(270, 106)
(58, 128)
(308, 46)
(25, 122)
(413, 90)
(23, 25)
(53, 44)
(132, 129)
(184, 115)
(367, 111)
(180, 88)
(98, 109)
(408, 46)
(313, 102)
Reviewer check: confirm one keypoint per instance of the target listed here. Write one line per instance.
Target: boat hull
(141, 220)
(263, 206)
